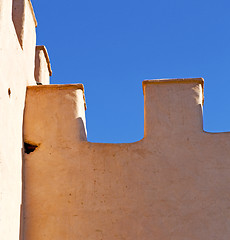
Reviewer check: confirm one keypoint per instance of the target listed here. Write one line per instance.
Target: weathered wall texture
(171, 185)
(17, 56)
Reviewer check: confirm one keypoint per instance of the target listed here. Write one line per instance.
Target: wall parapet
(79, 86)
(54, 114)
(23, 24)
(33, 13)
(173, 106)
(42, 71)
(175, 80)
(43, 48)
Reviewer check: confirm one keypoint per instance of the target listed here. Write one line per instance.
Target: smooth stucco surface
(17, 57)
(43, 70)
(16, 71)
(171, 185)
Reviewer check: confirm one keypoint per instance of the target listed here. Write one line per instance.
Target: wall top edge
(43, 48)
(33, 14)
(175, 80)
(59, 87)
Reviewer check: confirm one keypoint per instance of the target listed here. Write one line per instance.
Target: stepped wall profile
(54, 184)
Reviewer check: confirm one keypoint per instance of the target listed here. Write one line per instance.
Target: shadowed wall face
(171, 185)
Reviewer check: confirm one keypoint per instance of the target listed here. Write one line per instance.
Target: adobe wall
(17, 57)
(171, 185)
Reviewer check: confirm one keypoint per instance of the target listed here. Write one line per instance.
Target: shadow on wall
(18, 12)
(82, 129)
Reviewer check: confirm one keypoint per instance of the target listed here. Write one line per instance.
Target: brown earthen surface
(171, 185)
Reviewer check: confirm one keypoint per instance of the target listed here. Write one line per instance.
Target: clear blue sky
(111, 46)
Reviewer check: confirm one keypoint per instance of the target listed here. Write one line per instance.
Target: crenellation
(54, 184)
(22, 12)
(66, 121)
(32, 12)
(173, 106)
(43, 70)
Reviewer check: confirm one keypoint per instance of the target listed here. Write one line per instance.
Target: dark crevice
(9, 92)
(29, 148)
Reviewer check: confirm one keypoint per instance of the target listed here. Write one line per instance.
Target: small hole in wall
(9, 92)
(29, 148)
